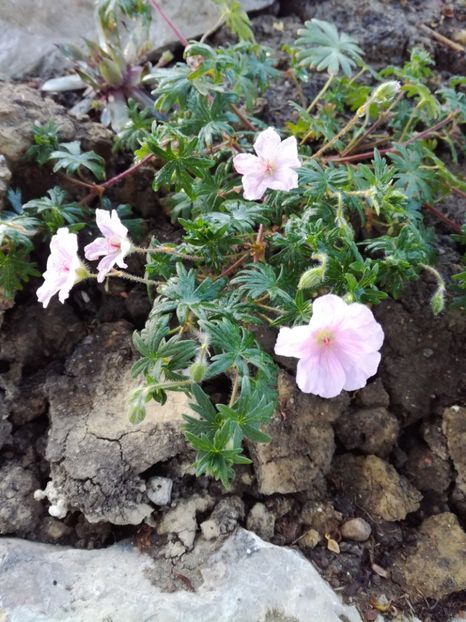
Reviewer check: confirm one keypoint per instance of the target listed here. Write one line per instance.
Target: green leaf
(70, 158)
(323, 48)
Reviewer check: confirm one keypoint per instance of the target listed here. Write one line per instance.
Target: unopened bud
(197, 371)
(386, 92)
(437, 302)
(314, 276)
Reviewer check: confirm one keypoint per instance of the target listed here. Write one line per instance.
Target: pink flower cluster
(65, 269)
(338, 350)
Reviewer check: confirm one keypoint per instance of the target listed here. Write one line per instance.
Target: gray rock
(182, 520)
(245, 580)
(302, 444)
(225, 517)
(19, 512)
(39, 25)
(96, 455)
(159, 490)
(261, 521)
(22, 107)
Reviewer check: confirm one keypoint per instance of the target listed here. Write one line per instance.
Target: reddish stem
(370, 154)
(176, 32)
(129, 171)
(244, 120)
(233, 266)
(453, 226)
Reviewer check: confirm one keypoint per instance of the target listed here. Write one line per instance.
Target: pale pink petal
(267, 143)
(118, 227)
(327, 311)
(254, 187)
(294, 342)
(248, 164)
(358, 374)
(67, 286)
(62, 266)
(96, 249)
(287, 155)
(283, 179)
(105, 265)
(360, 325)
(321, 375)
(103, 220)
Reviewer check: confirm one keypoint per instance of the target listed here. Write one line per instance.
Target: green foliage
(70, 158)
(236, 19)
(370, 161)
(322, 47)
(111, 68)
(46, 140)
(55, 213)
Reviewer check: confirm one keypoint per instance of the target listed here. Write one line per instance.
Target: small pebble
(356, 529)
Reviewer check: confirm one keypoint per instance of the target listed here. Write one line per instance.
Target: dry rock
(434, 437)
(96, 455)
(21, 108)
(436, 567)
(454, 428)
(302, 445)
(372, 430)
(376, 486)
(243, 580)
(19, 512)
(261, 520)
(225, 517)
(373, 394)
(159, 490)
(182, 521)
(321, 516)
(5, 176)
(310, 539)
(356, 529)
(426, 470)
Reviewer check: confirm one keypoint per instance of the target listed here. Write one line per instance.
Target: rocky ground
(370, 486)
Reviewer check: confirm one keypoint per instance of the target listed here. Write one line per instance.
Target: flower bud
(197, 371)
(314, 276)
(437, 302)
(385, 93)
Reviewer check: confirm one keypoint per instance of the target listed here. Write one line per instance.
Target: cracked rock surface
(96, 455)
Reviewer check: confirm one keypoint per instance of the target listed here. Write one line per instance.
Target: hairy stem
(133, 277)
(322, 92)
(167, 251)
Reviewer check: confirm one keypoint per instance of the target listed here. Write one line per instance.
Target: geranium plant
(300, 228)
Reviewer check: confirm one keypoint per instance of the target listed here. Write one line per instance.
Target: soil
(389, 454)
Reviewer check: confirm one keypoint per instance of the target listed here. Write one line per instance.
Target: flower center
(269, 167)
(325, 337)
(115, 244)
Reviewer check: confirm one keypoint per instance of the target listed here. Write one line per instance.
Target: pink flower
(114, 246)
(337, 350)
(63, 267)
(273, 167)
